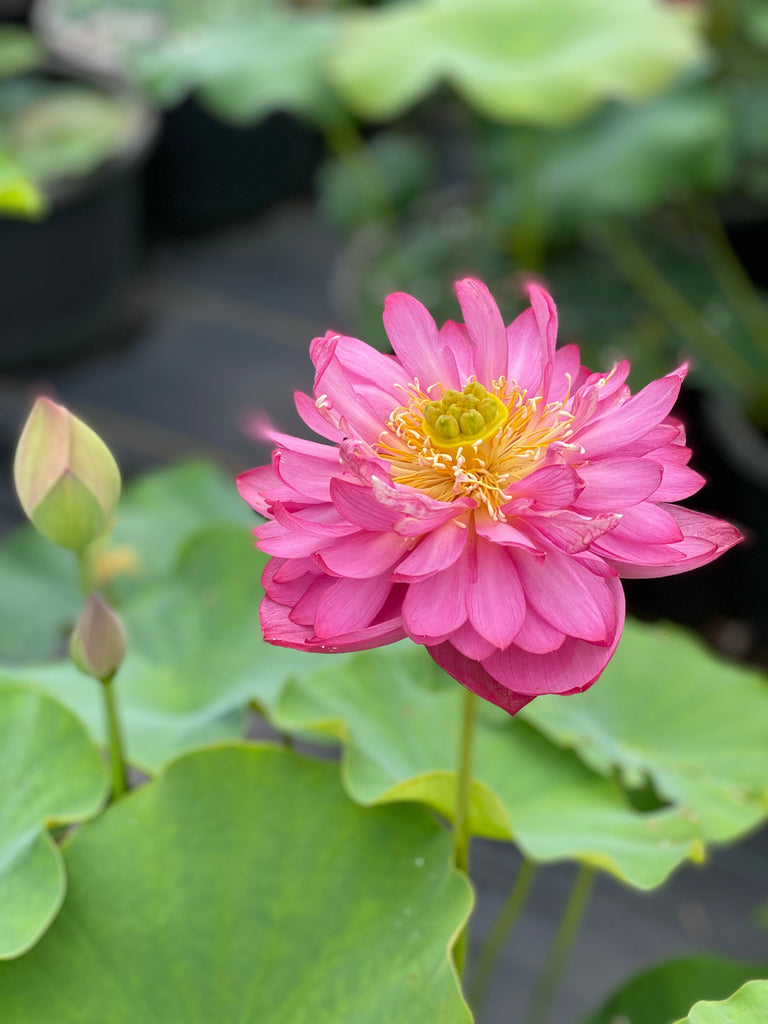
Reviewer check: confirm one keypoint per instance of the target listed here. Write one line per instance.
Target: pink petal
(470, 673)
(572, 532)
(437, 550)
(486, 329)
(552, 487)
(627, 422)
(313, 520)
(566, 373)
(363, 555)
(545, 311)
(454, 338)
(610, 485)
(569, 597)
(648, 523)
(255, 484)
(705, 538)
(320, 423)
(350, 605)
(507, 534)
(678, 482)
(334, 382)
(468, 641)
(495, 600)
(306, 474)
(434, 607)
(414, 337)
(536, 635)
(274, 539)
(280, 630)
(570, 669)
(356, 503)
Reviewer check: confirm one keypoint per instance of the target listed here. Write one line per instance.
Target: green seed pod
(471, 422)
(447, 426)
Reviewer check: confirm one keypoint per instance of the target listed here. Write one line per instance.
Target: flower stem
(557, 958)
(461, 827)
(119, 780)
(500, 932)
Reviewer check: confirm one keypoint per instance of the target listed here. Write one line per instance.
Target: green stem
(557, 958)
(461, 825)
(85, 568)
(500, 932)
(119, 781)
(675, 308)
(732, 277)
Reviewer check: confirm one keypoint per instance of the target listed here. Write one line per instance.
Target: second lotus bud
(98, 641)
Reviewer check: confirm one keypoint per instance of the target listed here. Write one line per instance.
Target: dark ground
(225, 323)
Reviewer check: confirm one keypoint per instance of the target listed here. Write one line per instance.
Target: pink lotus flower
(482, 494)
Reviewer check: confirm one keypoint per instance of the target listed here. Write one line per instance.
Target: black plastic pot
(206, 173)
(63, 277)
(733, 456)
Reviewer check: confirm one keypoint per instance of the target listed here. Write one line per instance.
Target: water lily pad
(513, 59)
(668, 711)
(52, 774)
(749, 1005)
(664, 992)
(41, 599)
(244, 886)
(398, 716)
(195, 657)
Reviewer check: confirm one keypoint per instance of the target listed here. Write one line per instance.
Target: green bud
(447, 426)
(66, 478)
(471, 422)
(98, 641)
(450, 396)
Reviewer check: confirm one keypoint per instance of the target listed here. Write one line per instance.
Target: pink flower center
(475, 442)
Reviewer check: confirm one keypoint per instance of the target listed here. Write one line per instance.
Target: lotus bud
(66, 477)
(98, 640)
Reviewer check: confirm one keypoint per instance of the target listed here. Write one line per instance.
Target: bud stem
(119, 782)
(461, 827)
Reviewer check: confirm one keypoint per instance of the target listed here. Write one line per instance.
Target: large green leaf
(661, 994)
(669, 712)
(747, 1006)
(244, 887)
(398, 717)
(513, 60)
(195, 657)
(40, 598)
(51, 774)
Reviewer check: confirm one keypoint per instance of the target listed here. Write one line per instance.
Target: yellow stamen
(475, 442)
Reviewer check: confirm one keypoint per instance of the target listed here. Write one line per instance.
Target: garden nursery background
(190, 192)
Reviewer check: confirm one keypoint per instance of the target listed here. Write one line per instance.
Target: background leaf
(661, 994)
(51, 773)
(197, 899)
(398, 717)
(513, 60)
(41, 598)
(747, 1006)
(667, 711)
(195, 660)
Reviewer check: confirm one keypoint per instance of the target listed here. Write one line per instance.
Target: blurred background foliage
(619, 151)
